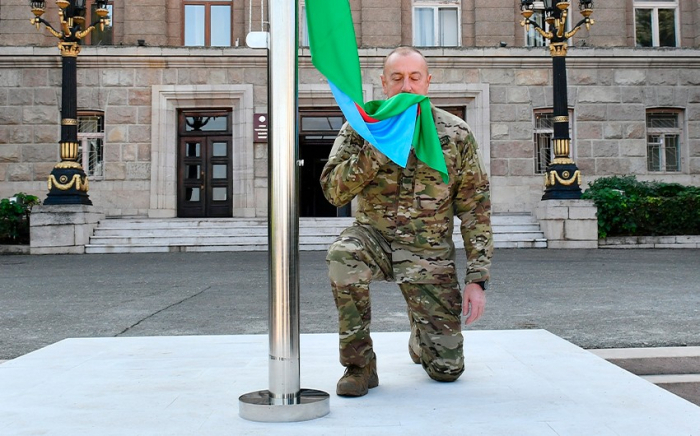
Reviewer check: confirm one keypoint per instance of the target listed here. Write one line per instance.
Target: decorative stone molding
(166, 100)
(475, 97)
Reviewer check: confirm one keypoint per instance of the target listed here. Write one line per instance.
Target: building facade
(173, 105)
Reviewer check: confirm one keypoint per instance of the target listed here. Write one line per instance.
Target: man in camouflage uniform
(403, 233)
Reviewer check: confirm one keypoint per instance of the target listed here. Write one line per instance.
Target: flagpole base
(262, 407)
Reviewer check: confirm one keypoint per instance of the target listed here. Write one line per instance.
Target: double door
(204, 165)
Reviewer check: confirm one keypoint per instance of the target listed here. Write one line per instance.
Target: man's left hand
(473, 302)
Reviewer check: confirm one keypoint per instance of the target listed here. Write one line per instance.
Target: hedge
(14, 218)
(628, 207)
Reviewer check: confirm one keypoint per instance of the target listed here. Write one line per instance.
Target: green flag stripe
(334, 53)
(333, 45)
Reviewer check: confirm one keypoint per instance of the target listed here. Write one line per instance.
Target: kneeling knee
(443, 377)
(443, 373)
(346, 265)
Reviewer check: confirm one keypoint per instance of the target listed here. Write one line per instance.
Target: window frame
(436, 6)
(677, 131)
(85, 155)
(654, 6)
(207, 20)
(303, 25)
(548, 132)
(90, 19)
(531, 33)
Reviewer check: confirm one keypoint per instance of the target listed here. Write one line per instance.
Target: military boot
(358, 380)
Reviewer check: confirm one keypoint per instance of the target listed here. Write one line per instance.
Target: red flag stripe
(364, 115)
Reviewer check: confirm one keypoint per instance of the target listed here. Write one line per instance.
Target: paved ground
(593, 298)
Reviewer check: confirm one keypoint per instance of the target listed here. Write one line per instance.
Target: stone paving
(593, 298)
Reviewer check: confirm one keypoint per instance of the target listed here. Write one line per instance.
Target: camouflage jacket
(412, 208)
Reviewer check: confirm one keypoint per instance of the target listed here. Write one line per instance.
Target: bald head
(405, 70)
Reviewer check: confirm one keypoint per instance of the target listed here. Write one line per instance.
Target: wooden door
(205, 176)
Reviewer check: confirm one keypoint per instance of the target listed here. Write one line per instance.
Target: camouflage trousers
(359, 256)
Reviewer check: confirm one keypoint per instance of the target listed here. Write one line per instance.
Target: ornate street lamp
(562, 177)
(68, 183)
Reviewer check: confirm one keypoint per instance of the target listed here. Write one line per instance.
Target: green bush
(628, 207)
(14, 218)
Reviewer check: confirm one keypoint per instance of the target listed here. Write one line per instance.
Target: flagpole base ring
(260, 406)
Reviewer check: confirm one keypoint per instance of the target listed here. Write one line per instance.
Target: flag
(394, 125)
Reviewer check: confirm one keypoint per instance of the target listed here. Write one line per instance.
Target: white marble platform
(517, 383)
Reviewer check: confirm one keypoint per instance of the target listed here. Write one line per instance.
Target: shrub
(627, 207)
(14, 218)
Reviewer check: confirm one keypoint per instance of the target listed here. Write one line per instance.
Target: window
(208, 23)
(91, 134)
(303, 27)
(436, 24)
(532, 36)
(544, 135)
(98, 36)
(663, 140)
(656, 23)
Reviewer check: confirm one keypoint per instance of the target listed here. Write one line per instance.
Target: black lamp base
(68, 186)
(563, 182)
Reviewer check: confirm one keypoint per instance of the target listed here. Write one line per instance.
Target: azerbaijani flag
(392, 125)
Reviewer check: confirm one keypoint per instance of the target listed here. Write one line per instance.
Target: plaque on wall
(260, 126)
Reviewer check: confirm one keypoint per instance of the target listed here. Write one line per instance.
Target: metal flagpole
(285, 401)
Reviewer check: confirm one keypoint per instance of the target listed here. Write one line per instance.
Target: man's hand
(473, 302)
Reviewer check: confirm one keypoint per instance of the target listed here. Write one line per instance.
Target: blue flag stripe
(392, 136)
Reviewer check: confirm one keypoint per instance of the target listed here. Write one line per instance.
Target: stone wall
(378, 23)
(117, 81)
(609, 93)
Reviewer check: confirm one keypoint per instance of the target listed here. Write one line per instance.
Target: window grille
(663, 142)
(544, 135)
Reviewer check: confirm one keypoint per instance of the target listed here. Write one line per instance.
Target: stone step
(200, 223)
(206, 232)
(654, 361)
(197, 223)
(130, 248)
(502, 219)
(523, 232)
(676, 369)
(100, 232)
(542, 243)
(239, 234)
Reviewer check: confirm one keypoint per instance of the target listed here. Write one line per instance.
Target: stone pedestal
(62, 229)
(569, 223)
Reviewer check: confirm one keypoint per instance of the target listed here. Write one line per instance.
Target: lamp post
(562, 177)
(68, 183)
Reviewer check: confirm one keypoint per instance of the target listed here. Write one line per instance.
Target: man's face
(405, 73)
